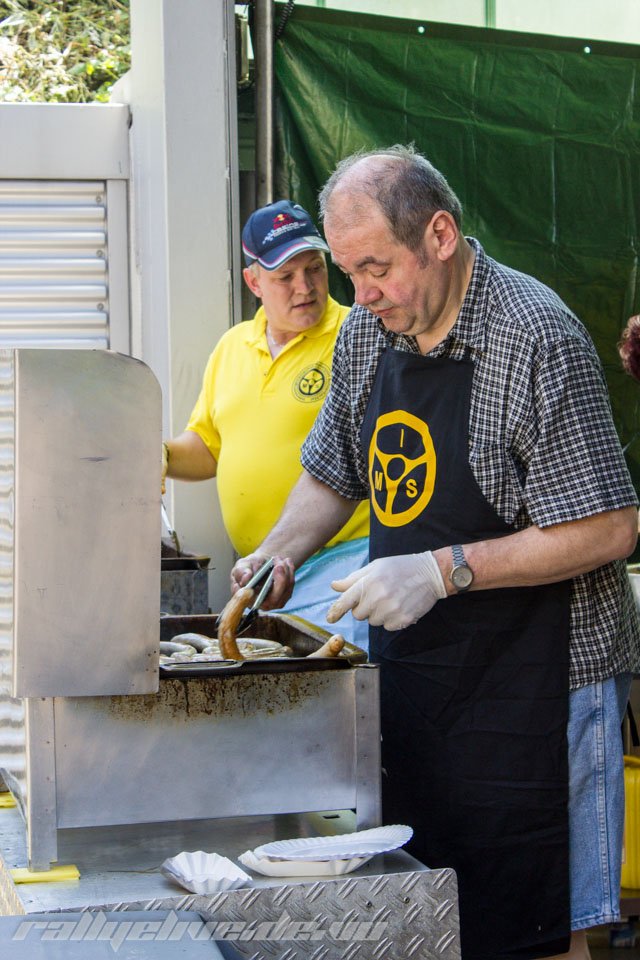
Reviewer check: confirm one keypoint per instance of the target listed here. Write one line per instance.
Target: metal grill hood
(80, 433)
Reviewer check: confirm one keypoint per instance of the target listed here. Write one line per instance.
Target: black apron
(474, 695)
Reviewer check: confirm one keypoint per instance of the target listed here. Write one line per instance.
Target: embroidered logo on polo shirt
(402, 468)
(312, 383)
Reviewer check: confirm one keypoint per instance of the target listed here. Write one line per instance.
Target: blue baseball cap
(277, 232)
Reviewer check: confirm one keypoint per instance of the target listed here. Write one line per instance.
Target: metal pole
(490, 13)
(263, 37)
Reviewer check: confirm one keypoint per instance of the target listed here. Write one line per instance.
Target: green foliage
(65, 51)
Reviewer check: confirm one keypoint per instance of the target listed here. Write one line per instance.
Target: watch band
(458, 555)
(461, 575)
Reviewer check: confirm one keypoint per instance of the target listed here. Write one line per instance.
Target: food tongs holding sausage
(233, 620)
(265, 572)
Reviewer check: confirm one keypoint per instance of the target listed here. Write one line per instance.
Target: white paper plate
(300, 868)
(364, 843)
(202, 872)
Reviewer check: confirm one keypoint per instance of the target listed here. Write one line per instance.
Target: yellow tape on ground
(7, 800)
(23, 875)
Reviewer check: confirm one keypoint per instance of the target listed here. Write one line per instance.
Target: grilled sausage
(331, 648)
(229, 620)
(197, 640)
(168, 647)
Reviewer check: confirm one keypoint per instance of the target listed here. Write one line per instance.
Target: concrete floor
(621, 953)
(600, 949)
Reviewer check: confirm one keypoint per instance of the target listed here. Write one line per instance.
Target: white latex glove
(392, 592)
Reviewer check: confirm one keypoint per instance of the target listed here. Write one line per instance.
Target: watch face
(462, 577)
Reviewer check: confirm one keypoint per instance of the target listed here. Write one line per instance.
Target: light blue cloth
(313, 595)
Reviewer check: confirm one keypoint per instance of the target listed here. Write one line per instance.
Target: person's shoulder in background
(629, 347)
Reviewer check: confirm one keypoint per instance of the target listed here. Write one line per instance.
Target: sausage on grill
(229, 621)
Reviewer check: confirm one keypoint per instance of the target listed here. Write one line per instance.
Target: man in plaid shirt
(468, 404)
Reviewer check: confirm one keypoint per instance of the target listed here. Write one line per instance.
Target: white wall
(470, 12)
(184, 171)
(617, 20)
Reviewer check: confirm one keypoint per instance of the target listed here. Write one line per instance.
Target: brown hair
(407, 188)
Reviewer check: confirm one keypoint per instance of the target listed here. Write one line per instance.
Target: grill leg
(41, 812)
(367, 732)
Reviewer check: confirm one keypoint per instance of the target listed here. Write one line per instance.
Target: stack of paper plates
(203, 873)
(324, 856)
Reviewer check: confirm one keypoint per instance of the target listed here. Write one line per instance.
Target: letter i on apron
(474, 695)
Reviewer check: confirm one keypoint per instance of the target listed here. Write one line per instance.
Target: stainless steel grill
(89, 734)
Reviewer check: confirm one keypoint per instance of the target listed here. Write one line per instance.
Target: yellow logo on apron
(402, 468)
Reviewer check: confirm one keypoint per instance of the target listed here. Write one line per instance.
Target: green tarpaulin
(539, 138)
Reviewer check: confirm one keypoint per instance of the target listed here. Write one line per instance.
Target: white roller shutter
(54, 255)
(64, 282)
(64, 279)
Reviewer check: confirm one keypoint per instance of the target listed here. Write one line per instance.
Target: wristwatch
(461, 575)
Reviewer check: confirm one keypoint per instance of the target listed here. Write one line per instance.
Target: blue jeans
(596, 800)
(313, 595)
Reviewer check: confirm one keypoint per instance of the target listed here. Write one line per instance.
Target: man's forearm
(189, 458)
(312, 515)
(534, 556)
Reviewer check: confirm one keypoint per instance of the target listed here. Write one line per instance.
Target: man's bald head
(404, 185)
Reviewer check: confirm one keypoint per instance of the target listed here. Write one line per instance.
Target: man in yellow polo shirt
(262, 389)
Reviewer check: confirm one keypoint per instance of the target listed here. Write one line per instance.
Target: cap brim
(275, 258)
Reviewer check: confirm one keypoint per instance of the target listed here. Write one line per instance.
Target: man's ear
(442, 234)
(252, 282)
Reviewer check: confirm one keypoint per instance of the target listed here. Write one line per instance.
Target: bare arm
(536, 555)
(190, 458)
(312, 515)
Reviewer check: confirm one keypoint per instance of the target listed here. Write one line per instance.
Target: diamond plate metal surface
(404, 916)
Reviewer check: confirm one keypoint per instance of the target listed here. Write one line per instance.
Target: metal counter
(392, 908)
(100, 936)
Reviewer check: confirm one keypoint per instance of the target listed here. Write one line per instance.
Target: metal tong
(265, 572)
(170, 529)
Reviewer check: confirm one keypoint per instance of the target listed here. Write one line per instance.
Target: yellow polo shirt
(254, 412)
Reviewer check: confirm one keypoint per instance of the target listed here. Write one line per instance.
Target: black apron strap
(633, 729)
